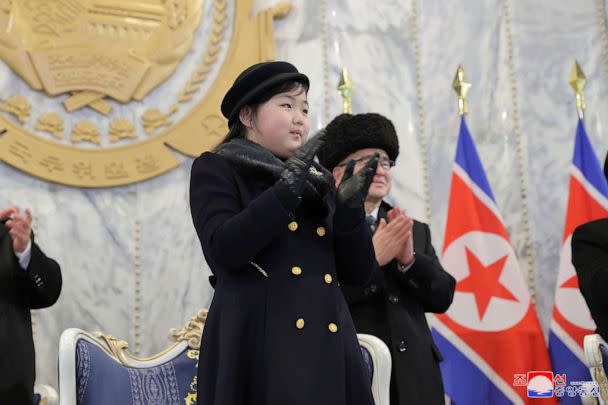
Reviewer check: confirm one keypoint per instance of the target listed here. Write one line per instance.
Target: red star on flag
(483, 282)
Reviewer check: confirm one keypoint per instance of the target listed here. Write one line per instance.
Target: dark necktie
(371, 222)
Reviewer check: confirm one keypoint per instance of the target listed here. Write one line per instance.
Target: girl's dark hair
(238, 130)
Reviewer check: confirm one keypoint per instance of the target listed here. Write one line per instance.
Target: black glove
(352, 193)
(291, 184)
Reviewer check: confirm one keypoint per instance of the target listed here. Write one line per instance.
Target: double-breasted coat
(392, 306)
(278, 329)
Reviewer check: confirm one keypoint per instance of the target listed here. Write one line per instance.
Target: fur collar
(252, 159)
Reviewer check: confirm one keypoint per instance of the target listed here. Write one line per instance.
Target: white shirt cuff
(25, 256)
(403, 269)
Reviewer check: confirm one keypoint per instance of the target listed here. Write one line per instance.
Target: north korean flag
(491, 334)
(571, 321)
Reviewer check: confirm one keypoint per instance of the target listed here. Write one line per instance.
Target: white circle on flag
(569, 300)
(500, 313)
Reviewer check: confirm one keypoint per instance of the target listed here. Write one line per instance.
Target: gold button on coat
(321, 231)
(328, 278)
(293, 226)
(333, 328)
(300, 323)
(296, 271)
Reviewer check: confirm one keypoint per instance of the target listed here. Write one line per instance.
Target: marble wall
(402, 56)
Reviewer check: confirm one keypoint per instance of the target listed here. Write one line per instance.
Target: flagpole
(461, 87)
(346, 87)
(577, 82)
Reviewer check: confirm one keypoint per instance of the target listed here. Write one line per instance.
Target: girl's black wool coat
(278, 329)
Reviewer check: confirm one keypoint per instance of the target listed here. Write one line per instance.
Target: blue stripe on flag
(587, 162)
(464, 383)
(468, 159)
(564, 361)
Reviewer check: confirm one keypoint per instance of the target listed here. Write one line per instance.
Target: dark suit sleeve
(230, 234)
(43, 279)
(355, 255)
(427, 280)
(590, 259)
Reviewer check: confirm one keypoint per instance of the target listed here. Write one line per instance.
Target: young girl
(276, 234)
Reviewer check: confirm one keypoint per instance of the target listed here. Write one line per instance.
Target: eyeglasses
(384, 163)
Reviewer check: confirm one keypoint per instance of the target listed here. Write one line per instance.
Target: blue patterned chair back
(368, 361)
(97, 369)
(101, 380)
(377, 360)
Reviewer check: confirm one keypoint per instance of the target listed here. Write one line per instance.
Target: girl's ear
(245, 117)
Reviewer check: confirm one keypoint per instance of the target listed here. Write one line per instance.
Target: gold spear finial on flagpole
(461, 86)
(346, 87)
(577, 82)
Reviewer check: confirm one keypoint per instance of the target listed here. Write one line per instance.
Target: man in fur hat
(590, 259)
(28, 280)
(411, 280)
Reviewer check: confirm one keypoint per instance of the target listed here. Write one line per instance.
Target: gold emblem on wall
(101, 91)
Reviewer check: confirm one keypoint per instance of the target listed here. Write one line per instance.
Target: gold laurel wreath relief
(154, 118)
(100, 52)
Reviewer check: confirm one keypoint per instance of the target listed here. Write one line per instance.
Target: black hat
(349, 133)
(253, 81)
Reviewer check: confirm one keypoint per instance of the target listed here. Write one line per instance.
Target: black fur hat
(349, 133)
(253, 81)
